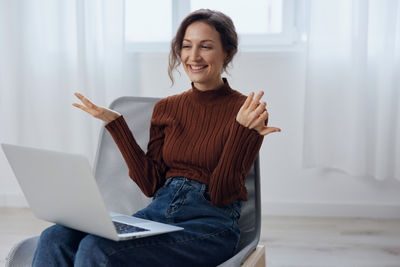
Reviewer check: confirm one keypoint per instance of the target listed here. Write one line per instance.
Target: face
(203, 56)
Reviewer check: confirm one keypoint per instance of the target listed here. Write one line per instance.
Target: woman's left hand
(254, 115)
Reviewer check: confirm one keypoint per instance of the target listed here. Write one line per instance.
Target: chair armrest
(22, 253)
(240, 256)
(256, 258)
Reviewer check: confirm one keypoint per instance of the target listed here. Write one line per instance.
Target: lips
(197, 68)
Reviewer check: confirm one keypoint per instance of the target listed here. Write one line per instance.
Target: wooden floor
(289, 241)
(309, 242)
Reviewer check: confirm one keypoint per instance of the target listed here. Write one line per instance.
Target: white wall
(287, 188)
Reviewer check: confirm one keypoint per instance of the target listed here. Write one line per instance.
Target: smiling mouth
(197, 68)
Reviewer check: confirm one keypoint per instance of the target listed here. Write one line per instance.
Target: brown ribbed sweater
(195, 135)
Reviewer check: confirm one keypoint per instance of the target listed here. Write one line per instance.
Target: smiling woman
(202, 145)
(202, 56)
(204, 39)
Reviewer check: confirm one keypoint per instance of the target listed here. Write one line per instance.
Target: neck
(210, 86)
(211, 97)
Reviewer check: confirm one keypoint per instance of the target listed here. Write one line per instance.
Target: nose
(195, 54)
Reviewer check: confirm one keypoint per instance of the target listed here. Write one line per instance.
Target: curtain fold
(49, 50)
(352, 101)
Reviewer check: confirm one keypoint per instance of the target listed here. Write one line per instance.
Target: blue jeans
(210, 235)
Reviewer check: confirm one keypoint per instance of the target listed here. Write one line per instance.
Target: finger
(85, 101)
(269, 130)
(258, 116)
(264, 116)
(247, 103)
(78, 95)
(256, 100)
(81, 107)
(261, 108)
(259, 121)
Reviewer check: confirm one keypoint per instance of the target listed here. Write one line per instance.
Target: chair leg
(257, 258)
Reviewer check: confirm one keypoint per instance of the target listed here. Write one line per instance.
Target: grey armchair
(122, 195)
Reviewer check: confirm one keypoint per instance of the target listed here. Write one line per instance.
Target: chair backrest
(119, 192)
(122, 195)
(250, 219)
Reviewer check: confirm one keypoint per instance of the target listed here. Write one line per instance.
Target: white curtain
(48, 50)
(352, 105)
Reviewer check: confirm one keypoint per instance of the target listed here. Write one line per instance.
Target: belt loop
(203, 188)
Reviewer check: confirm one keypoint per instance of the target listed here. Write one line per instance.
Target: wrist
(113, 116)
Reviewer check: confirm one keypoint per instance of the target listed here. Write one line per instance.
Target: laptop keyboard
(123, 228)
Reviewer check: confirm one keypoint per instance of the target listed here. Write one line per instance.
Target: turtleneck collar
(211, 96)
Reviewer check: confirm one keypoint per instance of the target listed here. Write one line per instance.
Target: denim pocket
(158, 191)
(232, 210)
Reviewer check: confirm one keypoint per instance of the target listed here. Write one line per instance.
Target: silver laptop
(61, 188)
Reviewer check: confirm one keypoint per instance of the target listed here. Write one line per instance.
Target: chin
(200, 78)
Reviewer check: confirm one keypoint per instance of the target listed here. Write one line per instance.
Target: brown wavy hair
(221, 22)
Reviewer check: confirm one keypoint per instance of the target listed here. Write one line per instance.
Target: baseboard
(283, 208)
(13, 200)
(331, 210)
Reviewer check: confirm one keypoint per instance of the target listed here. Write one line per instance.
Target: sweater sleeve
(148, 169)
(227, 181)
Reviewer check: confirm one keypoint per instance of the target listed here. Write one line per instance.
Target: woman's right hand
(98, 112)
(254, 115)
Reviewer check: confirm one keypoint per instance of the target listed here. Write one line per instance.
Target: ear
(226, 58)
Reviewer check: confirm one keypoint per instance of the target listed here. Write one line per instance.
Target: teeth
(196, 67)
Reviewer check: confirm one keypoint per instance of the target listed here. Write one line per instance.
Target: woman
(202, 144)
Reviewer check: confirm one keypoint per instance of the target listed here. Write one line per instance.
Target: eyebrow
(203, 41)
